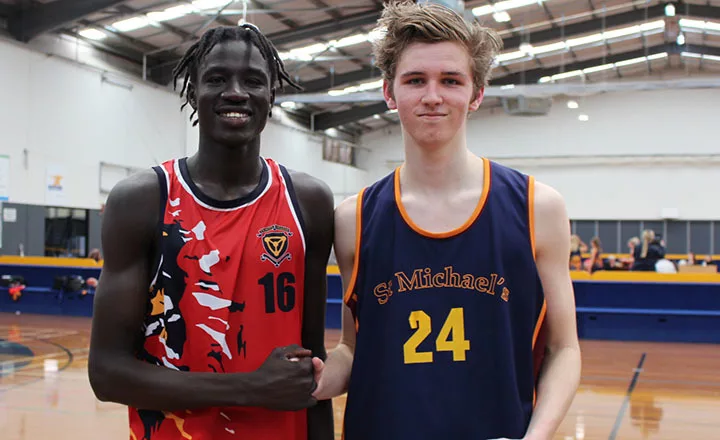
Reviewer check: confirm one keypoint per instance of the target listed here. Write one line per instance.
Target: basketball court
(629, 390)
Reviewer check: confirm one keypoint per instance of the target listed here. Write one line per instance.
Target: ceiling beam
(27, 24)
(704, 11)
(315, 30)
(533, 75)
(586, 27)
(323, 121)
(329, 82)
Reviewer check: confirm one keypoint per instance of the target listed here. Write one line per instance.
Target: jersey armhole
(350, 297)
(531, 213)
(293, 198)
(163, 183)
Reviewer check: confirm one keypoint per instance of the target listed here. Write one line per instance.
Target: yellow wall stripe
(613, 276)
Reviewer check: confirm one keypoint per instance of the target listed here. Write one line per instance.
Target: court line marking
(69, 362)
(626, 401)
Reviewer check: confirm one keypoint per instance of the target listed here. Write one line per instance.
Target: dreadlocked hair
(188, 65)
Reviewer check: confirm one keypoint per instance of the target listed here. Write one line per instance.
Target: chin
(237, 139)
(432, 139)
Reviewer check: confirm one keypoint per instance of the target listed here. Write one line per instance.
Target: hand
(318, 367)
(285, 379)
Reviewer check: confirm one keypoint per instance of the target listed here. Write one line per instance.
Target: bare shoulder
(131, 213)
(552, 226)
(548, 200)
(345, 212)
(311, 188)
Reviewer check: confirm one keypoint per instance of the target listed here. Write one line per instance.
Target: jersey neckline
(196, 192)
(451, 233)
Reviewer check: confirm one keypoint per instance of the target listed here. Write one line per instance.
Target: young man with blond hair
(459, 318)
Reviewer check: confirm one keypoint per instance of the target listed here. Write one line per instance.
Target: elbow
(101, 379)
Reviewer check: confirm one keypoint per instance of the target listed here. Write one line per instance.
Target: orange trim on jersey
(356, 260)
(531, 212)
(538, 326)
(539, 323)
(456, 231)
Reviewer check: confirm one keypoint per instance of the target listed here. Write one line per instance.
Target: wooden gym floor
(628, 391)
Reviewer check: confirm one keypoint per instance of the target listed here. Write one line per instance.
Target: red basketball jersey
(229, 288)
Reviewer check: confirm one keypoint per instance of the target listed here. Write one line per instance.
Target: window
(335, 150)
(66, 232)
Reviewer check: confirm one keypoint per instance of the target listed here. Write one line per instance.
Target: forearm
(557, 386)
(336, 373)
(138, 384)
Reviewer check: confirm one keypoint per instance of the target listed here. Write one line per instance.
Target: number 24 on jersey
(422, 324)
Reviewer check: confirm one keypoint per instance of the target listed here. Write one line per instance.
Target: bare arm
(129, 235)
(560, 376)
(335, 374)
(316, 205)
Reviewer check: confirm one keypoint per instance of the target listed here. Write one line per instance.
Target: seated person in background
(613, 263)
(708, 261)
(577, 247)
(595, 261)
(95, 255)
(649, 253)
(632, 244)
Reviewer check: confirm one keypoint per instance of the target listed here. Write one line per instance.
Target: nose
(432, 96)
(235, 91)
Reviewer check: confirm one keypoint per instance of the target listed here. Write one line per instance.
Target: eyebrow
(224, 68)
(448, 73)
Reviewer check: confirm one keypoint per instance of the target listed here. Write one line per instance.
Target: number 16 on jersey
(421, 322)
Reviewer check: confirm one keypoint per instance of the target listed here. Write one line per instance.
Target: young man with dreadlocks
(211, 305)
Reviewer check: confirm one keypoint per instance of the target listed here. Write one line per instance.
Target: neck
(434, 168)
(228, 167)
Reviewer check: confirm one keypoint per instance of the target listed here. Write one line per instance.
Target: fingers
(294, 352)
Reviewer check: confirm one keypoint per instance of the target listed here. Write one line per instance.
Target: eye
(415, 81)
(452, 81)
(255, 82)
(215, 79)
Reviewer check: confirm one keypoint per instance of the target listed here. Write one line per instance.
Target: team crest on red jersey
(275, 241)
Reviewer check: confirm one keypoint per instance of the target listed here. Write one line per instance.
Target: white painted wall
(58, 112)
(566, 153)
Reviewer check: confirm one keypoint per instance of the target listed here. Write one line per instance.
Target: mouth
(236, 118)
(432, 115)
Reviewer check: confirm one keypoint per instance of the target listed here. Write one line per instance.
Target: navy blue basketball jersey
(449, 325)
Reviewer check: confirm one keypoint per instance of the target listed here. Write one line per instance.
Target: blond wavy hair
(405, 22)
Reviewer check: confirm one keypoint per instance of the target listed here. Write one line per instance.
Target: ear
(389, 95)
(191, 95)
(272, 100)
(475, 103)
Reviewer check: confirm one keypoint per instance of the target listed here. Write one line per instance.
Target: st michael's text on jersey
(425, 278)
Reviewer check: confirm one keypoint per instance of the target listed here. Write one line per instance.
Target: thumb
(318, 366)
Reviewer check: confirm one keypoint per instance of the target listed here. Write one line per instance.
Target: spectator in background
(95, 255)
(577, 247)
(632, 244)
(595, 261)
(648, 253)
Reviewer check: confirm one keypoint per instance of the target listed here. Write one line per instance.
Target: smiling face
(433, 92)
(232, 93)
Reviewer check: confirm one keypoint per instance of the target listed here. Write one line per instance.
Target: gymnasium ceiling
(546, 42)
